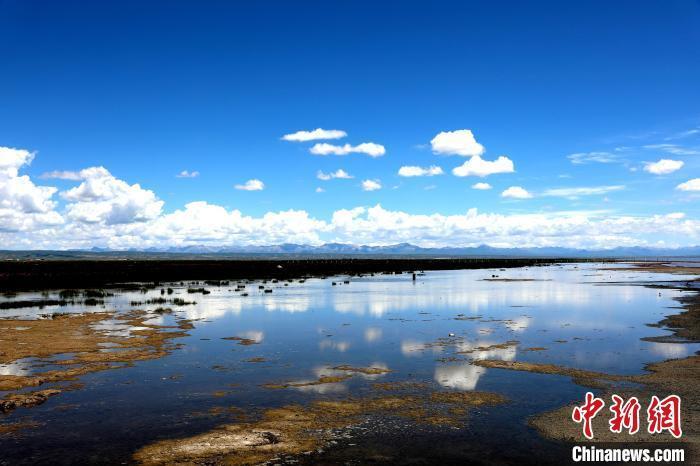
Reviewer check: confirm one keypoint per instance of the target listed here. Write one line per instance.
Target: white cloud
(481, 186)
(108, 212)
(369, 148)
(460, 142)
(597, 157)
(12, 159)
(516, 192)
(318, 133)
(674, 149)
(61, 175)
(102, 198)
(476, 166)
(371, 185)
(690, 185)
(251, 185)
(339, 174)
(411, 170)
(23, 205)
(573, 193)
(683, 134)
(320, 190)
(188, 174)
(663, 166)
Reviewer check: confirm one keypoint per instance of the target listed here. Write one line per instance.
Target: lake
(426, 331)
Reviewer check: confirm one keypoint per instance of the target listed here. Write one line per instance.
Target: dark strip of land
(53, 274)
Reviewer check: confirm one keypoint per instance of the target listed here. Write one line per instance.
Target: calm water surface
(586, 318)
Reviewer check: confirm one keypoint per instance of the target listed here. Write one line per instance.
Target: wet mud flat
(69, 273)
(346, 402)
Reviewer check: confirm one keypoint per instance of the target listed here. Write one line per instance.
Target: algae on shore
(81, 336)
(292, 430)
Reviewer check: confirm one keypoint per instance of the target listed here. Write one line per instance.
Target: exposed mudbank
(81, 337)
(293, 430)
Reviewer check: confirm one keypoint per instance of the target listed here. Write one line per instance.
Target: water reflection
(428, 331)
(462, 377)
(373, 334)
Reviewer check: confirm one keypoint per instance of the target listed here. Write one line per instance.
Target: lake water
(424, 330)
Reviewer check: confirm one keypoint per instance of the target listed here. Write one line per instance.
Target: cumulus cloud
(251, 185)
(61, 175)
(103, 198)
(516, 192)
(368, 148)
(23, 205)
(318, 133)
(411, 170)
(459, 142)
(108, 212)
(339, 174)
(573, 193)
(690, 185)
(663, 166)
(187, 174)
(371, 185)
(476, 166)
(580, 158)
(481, 186)
(320, 190)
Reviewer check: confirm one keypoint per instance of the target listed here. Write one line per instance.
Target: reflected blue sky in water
(584, 317)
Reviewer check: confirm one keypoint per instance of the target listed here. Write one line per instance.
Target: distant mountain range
(407, 249)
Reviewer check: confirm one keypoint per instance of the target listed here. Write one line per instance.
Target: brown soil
(295, 429)
(581, 377)
(76, 334)
(399, 386)
(362, 370)
(24, 400)
(321, 380)
(242, 341)
(256, 360)
(685, 325)
(657, 267)
(478, 349)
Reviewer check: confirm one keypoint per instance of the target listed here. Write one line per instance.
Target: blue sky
(150, 91)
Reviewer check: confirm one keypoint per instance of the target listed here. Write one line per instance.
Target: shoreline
(69, 274)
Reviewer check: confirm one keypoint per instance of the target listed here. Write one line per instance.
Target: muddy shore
(53, 274)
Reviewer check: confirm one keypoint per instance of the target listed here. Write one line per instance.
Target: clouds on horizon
(102, 210)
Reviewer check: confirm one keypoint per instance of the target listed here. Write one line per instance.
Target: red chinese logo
(625, 414)
(662, 415)
(665, 415)
(587, 412)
